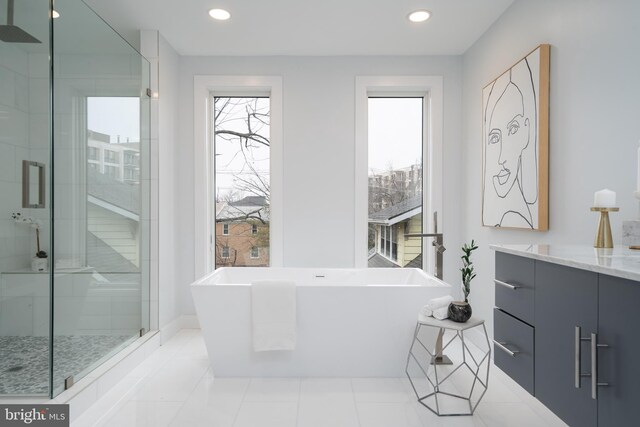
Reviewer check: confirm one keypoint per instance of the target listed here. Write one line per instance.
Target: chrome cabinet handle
(578, 354)
(594, 366)
(506, 285)
(501, 346)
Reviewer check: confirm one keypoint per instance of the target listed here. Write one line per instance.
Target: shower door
(100, 193)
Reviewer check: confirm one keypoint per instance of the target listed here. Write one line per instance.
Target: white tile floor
(174, 387)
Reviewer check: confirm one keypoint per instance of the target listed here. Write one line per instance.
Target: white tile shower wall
(149, 49)
(14, 140)
(169, 213)
(39, 138)
(164, 147)
(594, 97)
(84, 304)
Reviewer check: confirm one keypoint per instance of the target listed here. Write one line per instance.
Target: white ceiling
(303, 27)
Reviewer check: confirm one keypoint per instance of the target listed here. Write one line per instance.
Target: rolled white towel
(426, 311)
(441, 313)
(437, 303)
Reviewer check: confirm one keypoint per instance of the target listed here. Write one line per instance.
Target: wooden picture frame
(515, 145)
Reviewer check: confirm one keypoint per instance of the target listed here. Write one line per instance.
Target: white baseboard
(189, 321)
(169, 330)
(180, 322)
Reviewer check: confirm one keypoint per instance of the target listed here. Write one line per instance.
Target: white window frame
(430, 88)
(222, 255)
(257, 252)
(205, 88)
(225, 229)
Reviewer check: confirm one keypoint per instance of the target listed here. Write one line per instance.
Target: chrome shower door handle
(594, 366)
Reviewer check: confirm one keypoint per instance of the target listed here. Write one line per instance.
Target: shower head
(13, 34)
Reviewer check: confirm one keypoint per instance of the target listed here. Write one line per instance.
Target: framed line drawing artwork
(515, 145)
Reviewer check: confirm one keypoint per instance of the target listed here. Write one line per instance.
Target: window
(225, 252)
(395, 141)
(131, 174)
(93, 153)
(131, 158)
(110, 121)
(206, 89)
(111, 171)
(111, 156)
(241, 152)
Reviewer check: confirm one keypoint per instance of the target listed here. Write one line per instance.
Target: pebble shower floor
(24, 361)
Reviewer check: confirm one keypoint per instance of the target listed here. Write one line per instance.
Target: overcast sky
(395, 132)
(115, 116)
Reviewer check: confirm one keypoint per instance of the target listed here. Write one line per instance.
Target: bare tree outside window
(242, 180)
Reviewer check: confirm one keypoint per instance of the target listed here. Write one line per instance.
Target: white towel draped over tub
(273, 314)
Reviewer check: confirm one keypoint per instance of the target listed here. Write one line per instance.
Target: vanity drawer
(514, 285)
(514, 348)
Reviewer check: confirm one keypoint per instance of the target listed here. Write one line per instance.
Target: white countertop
(619, 261)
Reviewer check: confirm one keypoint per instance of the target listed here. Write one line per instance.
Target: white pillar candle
(604, 199)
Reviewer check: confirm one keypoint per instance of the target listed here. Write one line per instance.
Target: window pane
(395, 181)
(242, 190)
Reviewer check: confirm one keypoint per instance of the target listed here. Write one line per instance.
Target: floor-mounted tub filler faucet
(441, 358)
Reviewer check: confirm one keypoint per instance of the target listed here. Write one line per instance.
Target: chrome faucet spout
(439, 246)
(437, 243)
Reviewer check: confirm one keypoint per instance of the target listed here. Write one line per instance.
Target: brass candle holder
(603, 236)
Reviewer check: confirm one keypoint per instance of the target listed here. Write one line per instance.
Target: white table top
(449, 324)
(619, 261)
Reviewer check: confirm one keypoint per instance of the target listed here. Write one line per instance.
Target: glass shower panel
(100, 193)
(24, 221)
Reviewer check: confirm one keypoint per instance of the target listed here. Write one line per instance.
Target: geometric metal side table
(455, 389)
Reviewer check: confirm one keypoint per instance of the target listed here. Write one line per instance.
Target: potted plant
(460, 311)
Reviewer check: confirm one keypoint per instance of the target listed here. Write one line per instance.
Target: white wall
(319, 111)
(595, 110)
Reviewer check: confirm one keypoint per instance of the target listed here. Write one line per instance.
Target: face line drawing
(512, 131)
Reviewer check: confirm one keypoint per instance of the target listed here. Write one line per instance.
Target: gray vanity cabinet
(565, 298)
(619, 363)
(584, 334)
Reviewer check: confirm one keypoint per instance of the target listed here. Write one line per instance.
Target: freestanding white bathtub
(350, 322)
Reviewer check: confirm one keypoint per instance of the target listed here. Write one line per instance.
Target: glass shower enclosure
(74, 195)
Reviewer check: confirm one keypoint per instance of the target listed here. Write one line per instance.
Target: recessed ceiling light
(219, 14)
(55, 14)
(419, 16)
